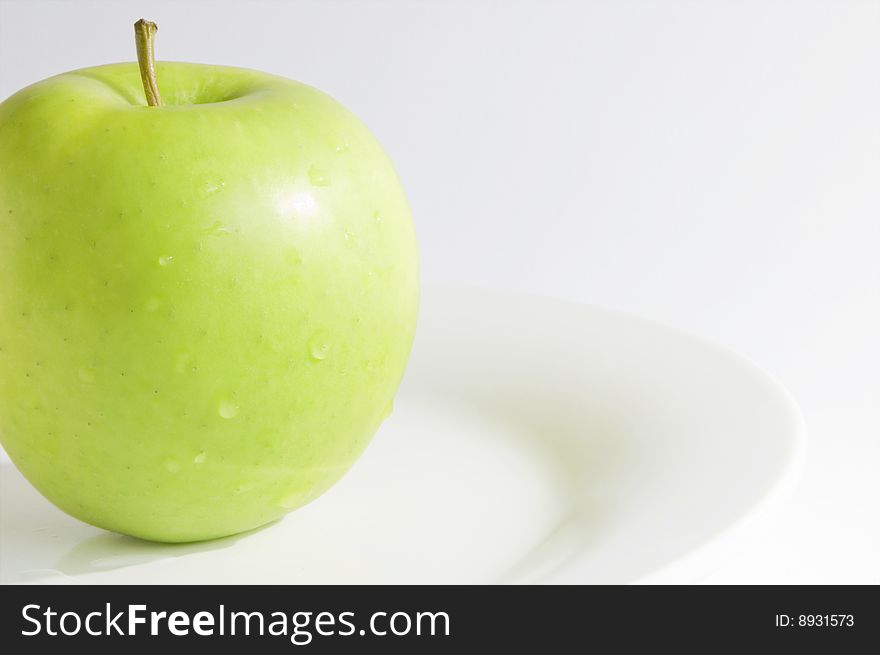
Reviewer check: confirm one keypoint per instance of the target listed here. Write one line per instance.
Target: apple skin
(205, 307)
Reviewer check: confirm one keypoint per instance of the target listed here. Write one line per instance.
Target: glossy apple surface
(205, 307)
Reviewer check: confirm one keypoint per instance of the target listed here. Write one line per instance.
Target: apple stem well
(144, 33)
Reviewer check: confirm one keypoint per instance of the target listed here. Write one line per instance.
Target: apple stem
(144, 33)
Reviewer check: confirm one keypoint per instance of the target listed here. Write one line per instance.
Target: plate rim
(700, 559)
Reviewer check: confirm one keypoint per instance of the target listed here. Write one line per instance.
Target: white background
(712, 165)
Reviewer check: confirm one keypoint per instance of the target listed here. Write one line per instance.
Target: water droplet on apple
(341, 147)
(319, 345)
(182, 362)
(292, 257)
(292, 500)
(166, 260)
(152, 304)
(318, 177)
(219, 230)
(227, 410)
(171, 465)
(212, 186)
(377, 217)
(243, 487)
(201, 458)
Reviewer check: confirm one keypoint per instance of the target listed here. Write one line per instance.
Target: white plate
(532, 441)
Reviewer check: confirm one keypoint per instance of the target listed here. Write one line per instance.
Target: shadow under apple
(40, 543)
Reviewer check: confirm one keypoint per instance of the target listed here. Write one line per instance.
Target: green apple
(206, 306)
